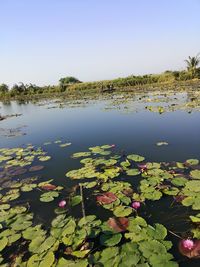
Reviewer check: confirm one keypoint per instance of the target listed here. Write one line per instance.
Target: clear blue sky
(44, 40)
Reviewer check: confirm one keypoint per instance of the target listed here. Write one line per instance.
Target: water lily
(62, 203)
(113, 145)
(142, 167)
(190, 248)
(187, 243)
(135, 205)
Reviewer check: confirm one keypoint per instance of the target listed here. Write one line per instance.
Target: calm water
(128, 125)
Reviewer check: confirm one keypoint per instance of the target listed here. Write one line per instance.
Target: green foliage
(192, 63)
(70, 84)
(123, 240)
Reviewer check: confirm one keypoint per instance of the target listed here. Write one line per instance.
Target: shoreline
(72, 92)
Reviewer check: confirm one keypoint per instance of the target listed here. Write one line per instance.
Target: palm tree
(192, 63)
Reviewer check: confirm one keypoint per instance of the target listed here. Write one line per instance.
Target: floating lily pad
(136, 158)
(118, 224)
(110, 240)
(106, 198)
(28, 187)
(162, 143)
(47, 186)
(76, 200)
(44, 158)
(195, 174)
(65, 144)
(133, 172)
(122, 211)
(81, 154)
(192, 161)
(3, 243)
(47, 143)
(179, 181)
(36, 168)
(195, 219)
(19, 171)
(49, 196)
(57, 141)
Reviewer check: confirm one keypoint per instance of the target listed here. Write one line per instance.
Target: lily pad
(118, 224)
(133, 172)
(49, 196)
(162, 143)
(192, 161)
(76, 200)
(44, 158)
(135, 157)
(122, 211)
(195, 174)
(36, 168)
(110, 240)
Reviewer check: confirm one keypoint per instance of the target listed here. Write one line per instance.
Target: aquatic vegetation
(62, 203)
(187, 243)
(162, 143)
(136, 205)
(13, 132)
(119, 185)
(190, 248)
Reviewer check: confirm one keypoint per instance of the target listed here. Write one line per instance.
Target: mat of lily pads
(114, 195)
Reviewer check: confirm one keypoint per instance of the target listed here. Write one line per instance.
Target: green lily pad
(3, 243)
(195, 219)
(192, 161)
(179, 181)
(33, 232)
(80, 254)
(44, 158)
(81, 154)
(49, 196)
(48, 260)
(133, 172)
(135, 157)
(180, 165)
(110, 240)
(76, 200)
(28, 187)
(195, 174)
(122, 211)
(65, 144)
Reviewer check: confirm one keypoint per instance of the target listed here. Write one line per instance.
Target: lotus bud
(136, 205)
(187, 244)
(62, 203)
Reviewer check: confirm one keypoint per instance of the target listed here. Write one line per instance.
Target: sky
(44, 40)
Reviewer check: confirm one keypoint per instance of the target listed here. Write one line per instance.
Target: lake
(162, 128)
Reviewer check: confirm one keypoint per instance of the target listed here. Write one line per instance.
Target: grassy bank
(174, 80)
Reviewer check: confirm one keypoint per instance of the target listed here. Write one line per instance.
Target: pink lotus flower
(113, 145)
(190, 248)
(62, 203)
(135, 205)
(187, 244)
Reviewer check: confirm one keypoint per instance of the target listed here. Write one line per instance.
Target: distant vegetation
(192, 64)
(71, 84)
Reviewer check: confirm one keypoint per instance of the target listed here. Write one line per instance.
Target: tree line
(71, 83)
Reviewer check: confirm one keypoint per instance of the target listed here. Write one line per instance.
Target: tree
(192, 63)
(18, 89)
(3, 88)
(66, 81)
